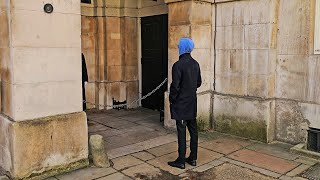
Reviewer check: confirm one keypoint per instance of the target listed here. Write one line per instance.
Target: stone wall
(245, 68)
(297, 72)
(42, 126)
(195, 20)
(265, 55)
(260, 66)
(110, 32)
(5, 67)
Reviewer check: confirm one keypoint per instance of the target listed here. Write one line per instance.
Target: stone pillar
(42, 127)
(193, 19)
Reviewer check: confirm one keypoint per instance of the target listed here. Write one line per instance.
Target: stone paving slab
(108, 133)
(125, 162)
(232, 172)
(122, 112)
(87, 174)
(208, 166)
(141, 116)
(143, 155)
(114, 153)
(164, 149)
(225, 145)
(132, 138)
(95, 127)
(104, 118)
(142, 171)
(122, 124)
(162, 163)
(265, 161)
(115, 176)
(307, 160)
(273, 150)
(298, 170)
(254, 168)
(205, 156)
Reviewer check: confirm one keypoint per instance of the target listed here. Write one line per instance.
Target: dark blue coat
(186, 78)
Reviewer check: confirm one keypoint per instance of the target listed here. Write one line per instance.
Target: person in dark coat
(84, 79)
(186, 78)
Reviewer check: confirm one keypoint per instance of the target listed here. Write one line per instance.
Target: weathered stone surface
(176, 33)
(88, 173)
(161, 162)
(300, 169)
(125, 162)
(37, 146)
(168, 122)
(51, 98)
(115, 73)
(202, 56)
(230, 171)
(273, 150)
(252, 167)
(142, 170)
(179, 13)
(98, 151)
(236, 119)
(88, 25)
(96, 127)
(225, 145)
(201, 35)
(208, 166)
(257, 36)
(291, 70)
(143, 155)
(291, 125)
(69, 33)
(294, 24)
(204, 108)
(164, 149)
(264, 161)
(115, 176)
(230, 37)
(122, 151)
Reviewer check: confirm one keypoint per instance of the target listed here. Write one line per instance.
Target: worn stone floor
(139, 148)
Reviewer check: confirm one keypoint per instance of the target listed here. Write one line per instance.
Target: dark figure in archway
(84, 79)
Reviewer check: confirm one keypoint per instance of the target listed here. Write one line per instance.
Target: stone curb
(301, 150)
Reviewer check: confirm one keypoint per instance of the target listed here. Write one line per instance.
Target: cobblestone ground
(139, 148)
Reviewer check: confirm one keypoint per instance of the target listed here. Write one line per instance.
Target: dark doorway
(154, 38)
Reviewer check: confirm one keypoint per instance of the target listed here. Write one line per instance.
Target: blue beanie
(186, 45)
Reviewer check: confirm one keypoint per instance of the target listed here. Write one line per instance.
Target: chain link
(134, 102)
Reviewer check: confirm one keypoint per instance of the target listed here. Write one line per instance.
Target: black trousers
(193, 130)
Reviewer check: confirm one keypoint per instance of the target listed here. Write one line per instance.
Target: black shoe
(191, 162)
(177, 164)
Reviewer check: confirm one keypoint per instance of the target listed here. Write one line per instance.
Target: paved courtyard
(139, 148)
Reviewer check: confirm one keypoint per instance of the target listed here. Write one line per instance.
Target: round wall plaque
(48, 8)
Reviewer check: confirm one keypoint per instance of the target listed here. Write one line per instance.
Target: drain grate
(314, 139)
(313, 173)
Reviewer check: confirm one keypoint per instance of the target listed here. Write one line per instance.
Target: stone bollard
(98, 152)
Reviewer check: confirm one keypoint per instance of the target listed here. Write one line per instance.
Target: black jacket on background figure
(84, 79)
(186, 78)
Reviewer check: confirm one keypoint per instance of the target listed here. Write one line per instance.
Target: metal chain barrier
(134, 102)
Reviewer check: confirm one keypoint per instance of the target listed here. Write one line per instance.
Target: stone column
(193, 19)
(42, 127)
